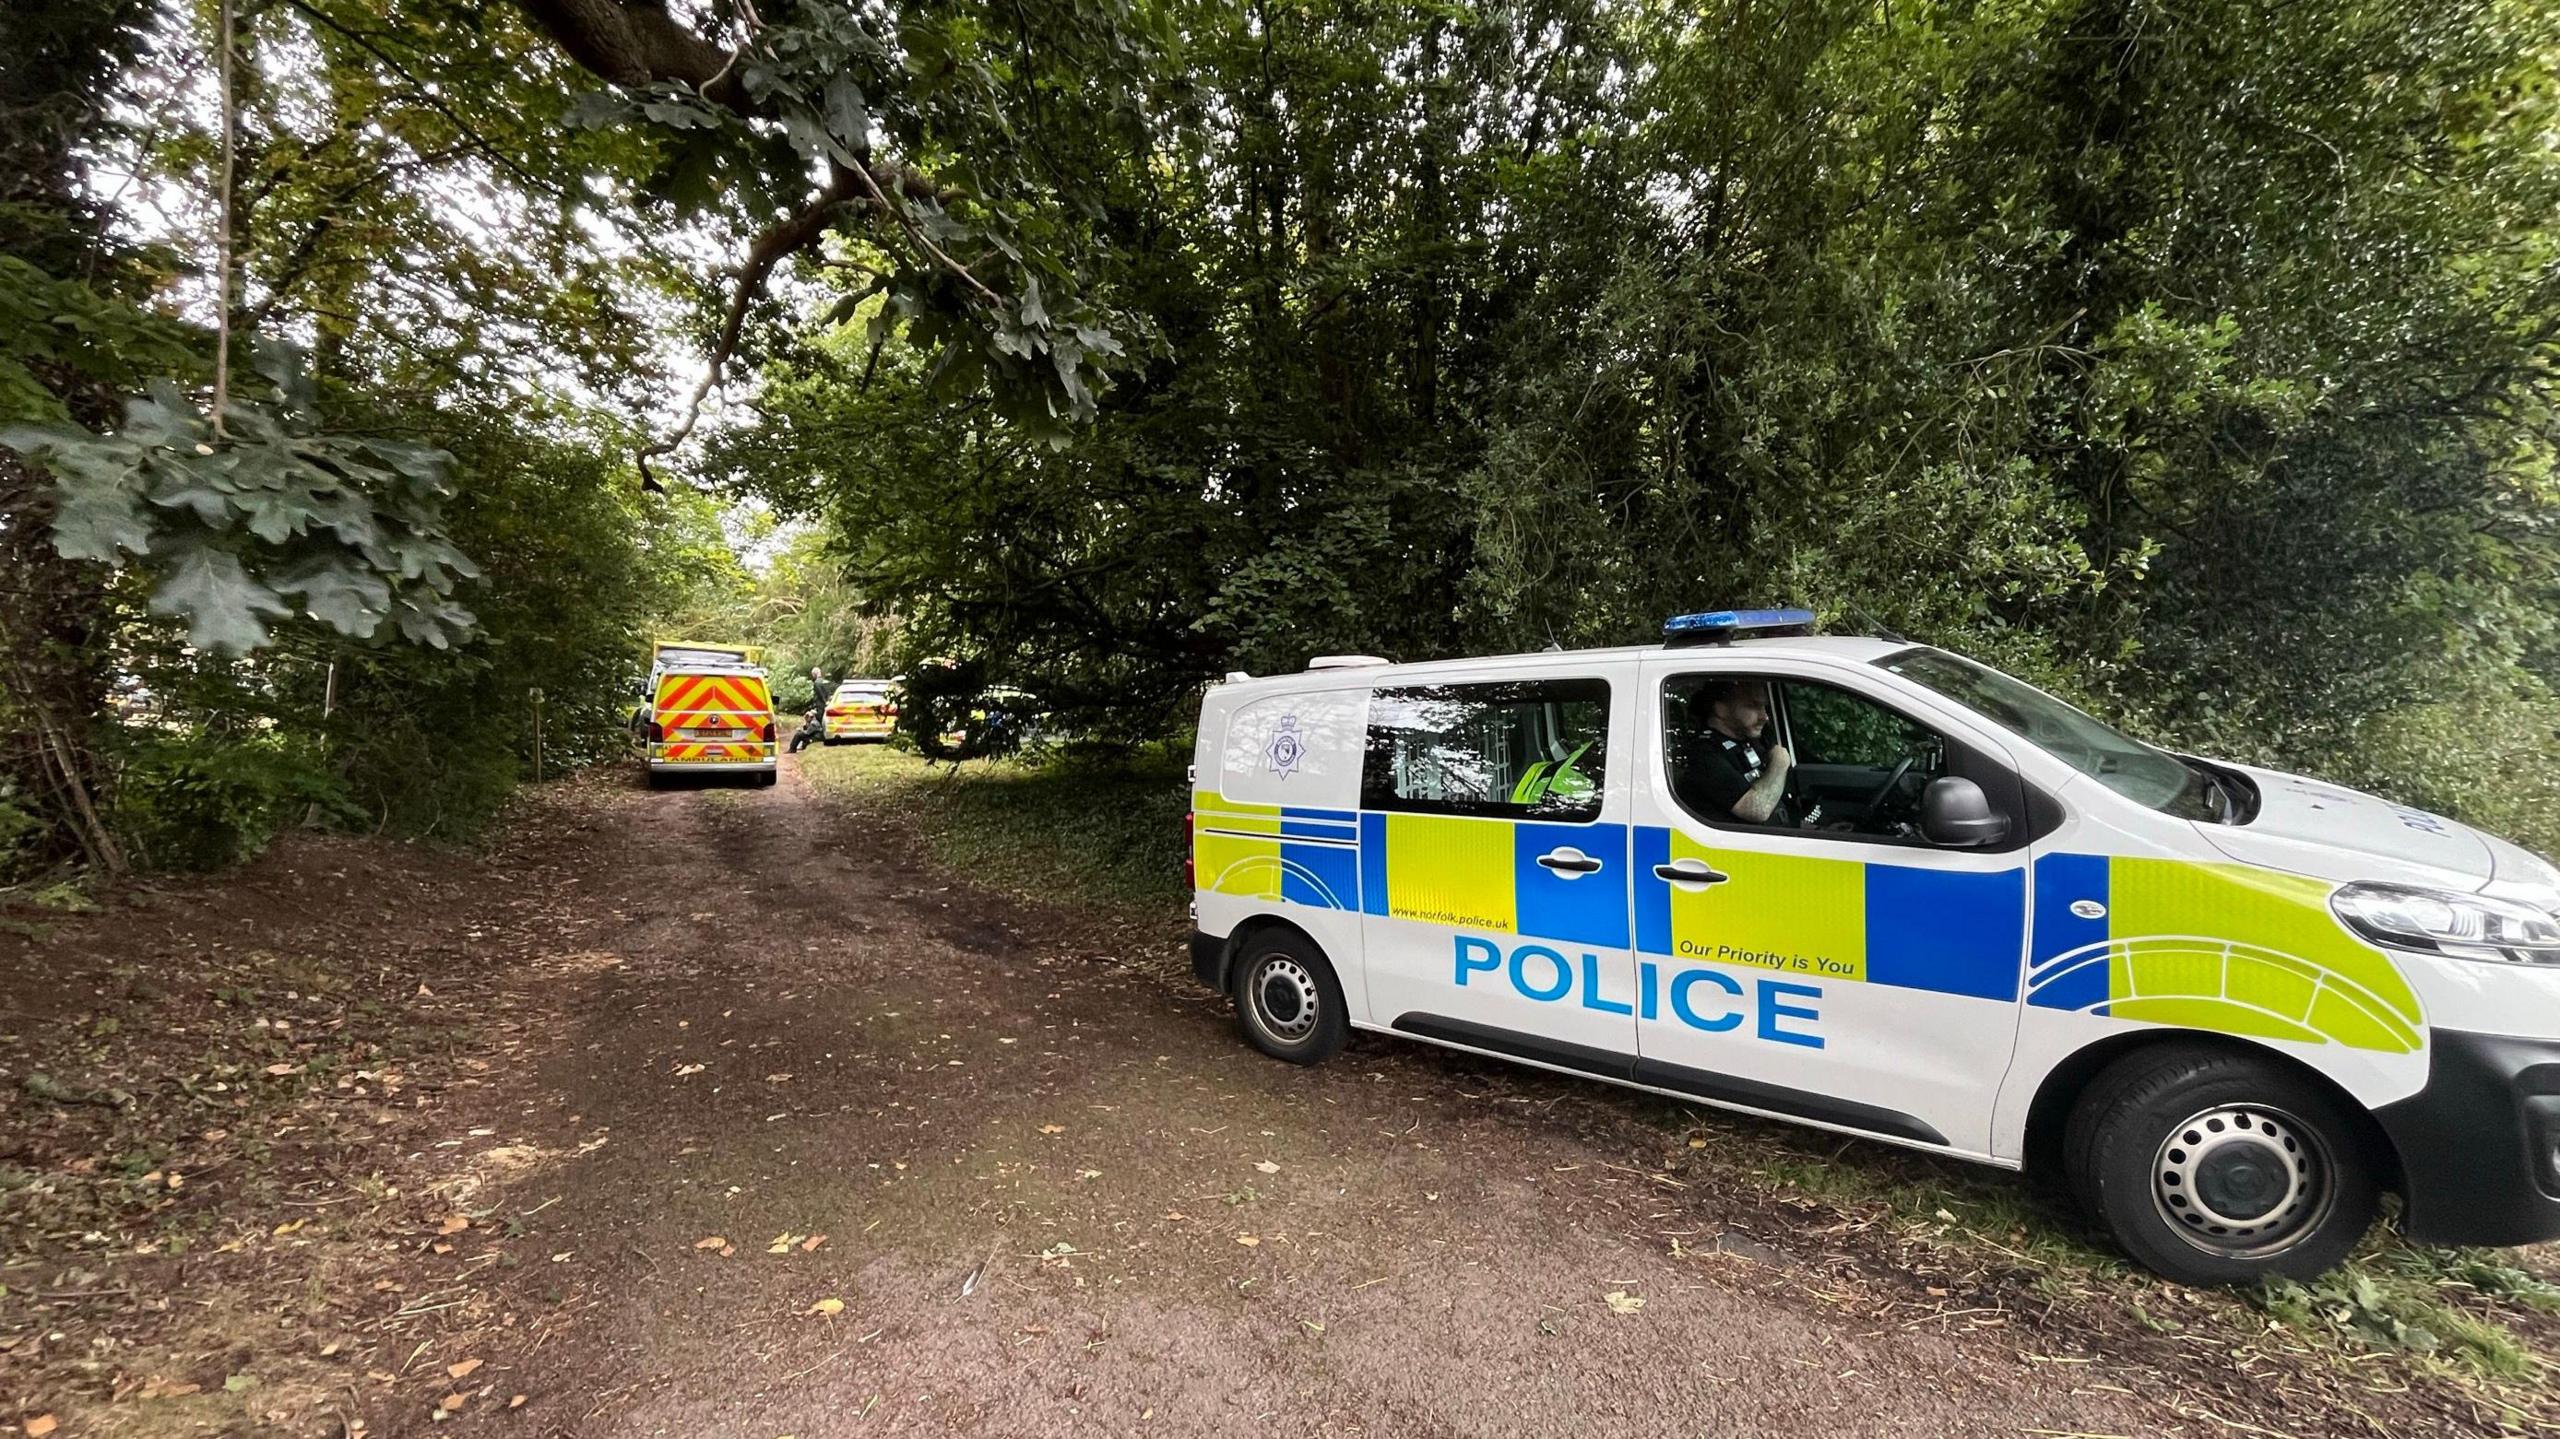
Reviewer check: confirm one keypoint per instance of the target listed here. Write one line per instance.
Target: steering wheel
(1874, 808)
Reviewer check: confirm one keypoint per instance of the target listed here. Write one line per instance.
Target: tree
(931, 130)
(2194, 361)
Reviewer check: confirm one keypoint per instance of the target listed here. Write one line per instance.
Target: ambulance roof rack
(1715, 627)
(1344, 662)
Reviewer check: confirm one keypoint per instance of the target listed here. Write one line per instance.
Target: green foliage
(2377, 1312)
(1105, 830)
(236, 524)
(59, 333)
(20, 827)
(813, 617)
(202, 799)
(2196, 363)
(579, 569)
(979, 227)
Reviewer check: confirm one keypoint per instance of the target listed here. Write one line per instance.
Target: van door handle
(1569, 863)
(1690, 871)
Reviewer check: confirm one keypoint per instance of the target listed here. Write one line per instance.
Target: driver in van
(1734, 769)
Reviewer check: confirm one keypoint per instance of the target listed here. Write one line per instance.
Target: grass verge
(1088, 833)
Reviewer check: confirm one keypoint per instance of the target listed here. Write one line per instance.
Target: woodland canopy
(2196, 361)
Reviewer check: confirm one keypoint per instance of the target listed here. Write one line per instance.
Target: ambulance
(1882, 889)
(708, 712)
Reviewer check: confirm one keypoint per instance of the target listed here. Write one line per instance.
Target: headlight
(2465, 926)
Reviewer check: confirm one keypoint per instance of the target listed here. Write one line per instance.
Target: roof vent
(1344, 662)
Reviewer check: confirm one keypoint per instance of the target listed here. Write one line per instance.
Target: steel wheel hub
(2239, 1179)
(1285, 998)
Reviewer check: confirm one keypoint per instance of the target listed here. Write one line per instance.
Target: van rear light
(1190, 861)
(657, 733)
(768, 731)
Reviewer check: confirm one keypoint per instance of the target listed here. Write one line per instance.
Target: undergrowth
(1101, 831)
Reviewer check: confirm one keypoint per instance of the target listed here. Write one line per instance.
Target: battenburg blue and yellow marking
(2229, 948)
(1268, 851)
(1946, 931)
(2226, 948)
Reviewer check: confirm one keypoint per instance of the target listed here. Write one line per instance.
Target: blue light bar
(1718, 626)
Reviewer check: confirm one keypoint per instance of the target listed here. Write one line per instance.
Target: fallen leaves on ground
(711, 1241)
(1623, 1302)
(1053, 1129)
(1267, 1167)
(40, 1426)
(829, 1307)
(454, 1224)
(463, 1369)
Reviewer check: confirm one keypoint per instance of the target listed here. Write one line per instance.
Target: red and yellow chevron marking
(693, 701)
(711, 753)
(689, 704)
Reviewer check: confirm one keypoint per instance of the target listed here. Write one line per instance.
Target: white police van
(2229, 1006)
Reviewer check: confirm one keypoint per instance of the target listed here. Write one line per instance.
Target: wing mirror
(1955, 813)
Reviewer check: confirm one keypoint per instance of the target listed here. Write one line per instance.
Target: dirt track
(1060, 1195)
(1056, 1193)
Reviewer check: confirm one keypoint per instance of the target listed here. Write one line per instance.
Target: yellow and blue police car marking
(1955, 932)
(1484, 874)
(1295, 855)
(1948, 932)
(2227, 948)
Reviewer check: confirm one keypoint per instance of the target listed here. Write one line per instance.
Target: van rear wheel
(1288, 1002)
(2211, 1167)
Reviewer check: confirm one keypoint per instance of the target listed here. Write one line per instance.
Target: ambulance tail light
(657, 733)
(768, 731)
(1190, 862)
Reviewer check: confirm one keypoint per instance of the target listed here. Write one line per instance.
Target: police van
(1879, 888)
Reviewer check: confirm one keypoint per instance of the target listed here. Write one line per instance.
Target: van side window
(1517, 750)
(1857, 767)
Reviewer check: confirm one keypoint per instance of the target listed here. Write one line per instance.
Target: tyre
(769, 779)
(1288, 1002)
(2213, 1168)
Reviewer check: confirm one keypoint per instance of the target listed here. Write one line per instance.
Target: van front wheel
(2215, 1168)
(1287, 1000)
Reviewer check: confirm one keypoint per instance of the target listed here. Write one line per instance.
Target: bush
(200, 800)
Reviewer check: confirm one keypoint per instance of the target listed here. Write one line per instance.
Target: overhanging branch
(784, 237)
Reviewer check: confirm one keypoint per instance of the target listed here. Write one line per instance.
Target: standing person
(813, 725)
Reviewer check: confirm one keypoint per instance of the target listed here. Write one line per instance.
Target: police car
(1882, 889)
